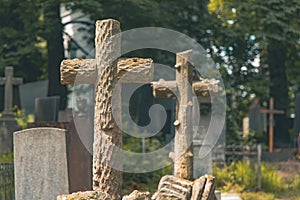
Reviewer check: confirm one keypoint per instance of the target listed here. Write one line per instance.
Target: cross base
(8, 115)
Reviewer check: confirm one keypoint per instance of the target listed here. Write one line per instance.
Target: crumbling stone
(88, 195)
(173, 188)
(138, 195)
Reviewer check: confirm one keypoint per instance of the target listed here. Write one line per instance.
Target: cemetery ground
(280, 180)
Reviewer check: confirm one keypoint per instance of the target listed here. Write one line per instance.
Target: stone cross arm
(169, 89)
(83, 71)
(15, 81)
(9, 73)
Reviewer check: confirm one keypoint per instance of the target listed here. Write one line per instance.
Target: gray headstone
(7, 127)
(30, 91)
(257, 120)
(40, 162)
(46, 109)
(65, 115)
(5, 139)
(297, 118)
(201, 165)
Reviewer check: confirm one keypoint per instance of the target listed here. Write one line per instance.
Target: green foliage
(19, 41)
(241, 177)
(143, 181)
(6, 158)
(270, 181)
(238, 176)
(22, 118)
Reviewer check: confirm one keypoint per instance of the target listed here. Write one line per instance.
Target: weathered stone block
(87, 195)
(138, 195)
(40, 162)
(173, 188)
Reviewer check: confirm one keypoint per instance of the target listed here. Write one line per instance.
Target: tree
(20, 44)
(273, 24)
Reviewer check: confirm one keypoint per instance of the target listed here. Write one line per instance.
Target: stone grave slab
(79, 145)
(30, 91)
(46, 109)
(40, 163)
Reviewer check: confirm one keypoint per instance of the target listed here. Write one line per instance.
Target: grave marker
(108, 66)
(106, 70)
(29, 92)
(40, 162)
(7, 120)
(183, 88)
(297, 118)
(271, 111)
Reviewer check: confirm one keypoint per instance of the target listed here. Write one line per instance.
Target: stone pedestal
(7, 127)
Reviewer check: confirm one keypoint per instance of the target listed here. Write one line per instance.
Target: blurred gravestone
(8, 124)
(297, 117)
(201, 164)
(40, 163)
(30, 91)
(257, 120)
(79, 131)
(46, 109)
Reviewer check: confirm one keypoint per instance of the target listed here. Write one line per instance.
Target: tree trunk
(279, 89)
(55, 50)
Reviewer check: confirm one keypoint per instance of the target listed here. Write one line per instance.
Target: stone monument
(105, 71)
(8, 124)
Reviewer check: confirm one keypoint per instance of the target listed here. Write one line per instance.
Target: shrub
(241, 176)
(270, 180)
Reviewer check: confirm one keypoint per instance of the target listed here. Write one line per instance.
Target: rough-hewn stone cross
(183, 88)
(105, 71)
(271, 111)
(9, 80)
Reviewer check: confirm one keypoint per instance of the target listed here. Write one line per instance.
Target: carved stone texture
(183, 150)
(138, 195)
(173, 188)
(105, 71)
(107, 135)
(198, 188)
(165, 89)
(208, 193)
(83, 71)
(135, 70)
(169, 89)
(89, 195)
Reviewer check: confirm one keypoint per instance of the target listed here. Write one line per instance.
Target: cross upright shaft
(271, 111)
(183, 149)
(107, 135)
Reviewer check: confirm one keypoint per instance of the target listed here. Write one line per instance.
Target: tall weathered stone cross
(105, 71)
(183, 88)
(9, 80)
(271, 111)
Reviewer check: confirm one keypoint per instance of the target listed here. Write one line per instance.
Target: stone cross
(105, 71)
(9, 80)
(183, 88)
(271, 111)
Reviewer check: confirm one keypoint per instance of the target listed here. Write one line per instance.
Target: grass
(240, 177)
